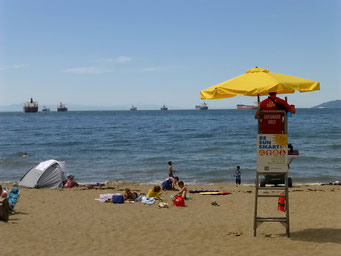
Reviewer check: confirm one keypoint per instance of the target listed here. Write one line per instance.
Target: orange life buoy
(281, 202)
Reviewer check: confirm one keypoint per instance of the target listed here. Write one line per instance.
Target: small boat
(164, 107)
(31, 106)
(61, 108)
(45, 109)
(247, 107)
(133, 108)
(203, 106)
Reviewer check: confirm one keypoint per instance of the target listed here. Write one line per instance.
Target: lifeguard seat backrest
(272, 122)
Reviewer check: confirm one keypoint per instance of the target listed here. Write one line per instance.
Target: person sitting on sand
(3, 193)
(129, 196)
(183, 189)
(154, 192)
(70, 183)
(169, 183)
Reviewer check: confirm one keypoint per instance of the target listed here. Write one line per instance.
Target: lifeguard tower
(272, 159)
(272, 145)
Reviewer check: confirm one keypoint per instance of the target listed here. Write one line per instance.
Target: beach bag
(117, 199)
(179, 201)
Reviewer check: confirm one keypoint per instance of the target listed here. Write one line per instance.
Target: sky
(155, 52)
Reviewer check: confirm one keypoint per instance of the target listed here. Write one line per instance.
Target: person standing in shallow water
(238, 174)
(170, 170)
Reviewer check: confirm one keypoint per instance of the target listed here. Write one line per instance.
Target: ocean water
(205, 146)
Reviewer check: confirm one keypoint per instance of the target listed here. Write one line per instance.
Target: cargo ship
(133, 108)
(31, 106)
(45, 109)
(203, 106)
(164, 107)
(247, 107)
(61, 108)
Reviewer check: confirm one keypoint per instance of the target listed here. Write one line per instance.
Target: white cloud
(123, 59)
(84, 70)
(14, 66)
(153, 69)
(120, 59)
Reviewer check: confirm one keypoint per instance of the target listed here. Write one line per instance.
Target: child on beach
(129, 196)
(170, 169)
(169, 183)
(183, 189)
(154, 192)
(70, 183)
(238, 174)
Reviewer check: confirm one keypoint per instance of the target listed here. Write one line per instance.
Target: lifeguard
(275, 103)
(272, 122)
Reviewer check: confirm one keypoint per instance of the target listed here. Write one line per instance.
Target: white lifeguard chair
(260, 82)
(272, 159)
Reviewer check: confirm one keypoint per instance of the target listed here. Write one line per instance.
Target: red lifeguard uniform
(269, 104)
(272, 123)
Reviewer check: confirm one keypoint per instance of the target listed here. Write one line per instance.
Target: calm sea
(205, 146)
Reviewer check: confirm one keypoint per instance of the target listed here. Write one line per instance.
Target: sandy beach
(72, 222)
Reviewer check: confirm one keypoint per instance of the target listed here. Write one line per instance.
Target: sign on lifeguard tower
(272, 153)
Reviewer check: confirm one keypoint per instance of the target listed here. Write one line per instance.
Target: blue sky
(154, 52)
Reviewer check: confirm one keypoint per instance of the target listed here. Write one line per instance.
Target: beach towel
(104, 197)
(93, 185)
(148, 200)
(139, 199)
(202, 190)
(336, 182)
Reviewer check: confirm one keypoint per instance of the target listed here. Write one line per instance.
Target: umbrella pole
(258, 112)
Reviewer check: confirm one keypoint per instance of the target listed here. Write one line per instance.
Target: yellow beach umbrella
(259, 81)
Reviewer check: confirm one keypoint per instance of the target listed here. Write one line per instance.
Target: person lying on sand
(169, 183)
(154, 192)
(129, 196)
(183, 189)
(336, 182)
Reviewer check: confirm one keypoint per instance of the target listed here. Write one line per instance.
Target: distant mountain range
(330, 104)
